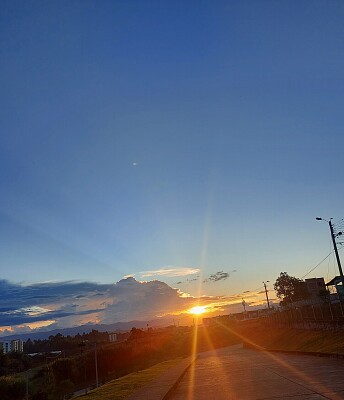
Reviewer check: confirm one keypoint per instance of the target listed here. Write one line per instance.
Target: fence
(326, 316)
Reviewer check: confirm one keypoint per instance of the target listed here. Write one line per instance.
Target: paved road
(243, 374)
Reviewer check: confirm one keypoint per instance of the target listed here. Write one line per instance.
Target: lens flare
(198, 310)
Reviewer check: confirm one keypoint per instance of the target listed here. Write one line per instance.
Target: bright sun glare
(198, 310)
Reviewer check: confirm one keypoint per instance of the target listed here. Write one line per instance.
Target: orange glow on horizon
(198, 310)
(31, 326)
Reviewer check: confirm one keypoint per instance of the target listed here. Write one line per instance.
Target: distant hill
(117, 326)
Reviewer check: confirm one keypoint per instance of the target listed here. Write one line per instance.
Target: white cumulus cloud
(170, 272)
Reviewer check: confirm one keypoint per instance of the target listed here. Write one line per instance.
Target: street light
(27, 385)
(266, 294)
(333, 237)
(244, 304)
(96, 363)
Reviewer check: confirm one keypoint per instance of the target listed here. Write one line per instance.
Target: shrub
(12, 388)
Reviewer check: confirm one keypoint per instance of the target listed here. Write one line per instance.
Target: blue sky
(146, 135)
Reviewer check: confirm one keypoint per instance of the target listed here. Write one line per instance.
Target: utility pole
(266, 294)
(27, 385)
(333, 236)
(244, 305)
(96, 362)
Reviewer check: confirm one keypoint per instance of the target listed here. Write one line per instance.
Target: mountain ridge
(116, 326)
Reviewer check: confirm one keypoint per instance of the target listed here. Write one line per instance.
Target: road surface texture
(245, 374)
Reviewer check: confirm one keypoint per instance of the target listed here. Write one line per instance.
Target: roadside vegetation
(123, 367)
(122, 388)
(291, 339)
(73, 369)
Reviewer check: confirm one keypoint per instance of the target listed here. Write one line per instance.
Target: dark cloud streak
(218, 276)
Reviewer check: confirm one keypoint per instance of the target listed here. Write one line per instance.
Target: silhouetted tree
(29, 346)
(64, 369)
(290, 289)
(136, 333)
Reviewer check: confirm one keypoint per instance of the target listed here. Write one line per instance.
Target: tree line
(74, 370)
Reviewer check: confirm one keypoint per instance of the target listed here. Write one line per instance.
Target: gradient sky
(147, 135)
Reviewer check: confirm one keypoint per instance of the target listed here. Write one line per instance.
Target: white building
(16, 345)
(113, 337)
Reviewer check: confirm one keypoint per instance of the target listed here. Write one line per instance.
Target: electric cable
(328, 255)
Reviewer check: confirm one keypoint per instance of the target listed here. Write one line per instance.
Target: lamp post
(27, 385)
(96, 363)
(333, 237)
(244, 305)
(266, 294)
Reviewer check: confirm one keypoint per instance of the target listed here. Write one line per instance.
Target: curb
(181, 376)
(162, 387)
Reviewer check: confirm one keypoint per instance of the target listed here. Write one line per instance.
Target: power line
(328, 255)
(328, 269)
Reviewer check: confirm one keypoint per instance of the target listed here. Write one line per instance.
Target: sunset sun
(198, 310)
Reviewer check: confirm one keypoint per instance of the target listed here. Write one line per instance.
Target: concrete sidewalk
(233, 373)
(160, 388)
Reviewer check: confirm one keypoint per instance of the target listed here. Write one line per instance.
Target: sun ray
(197, 310)
(224, 377)
(192, 369)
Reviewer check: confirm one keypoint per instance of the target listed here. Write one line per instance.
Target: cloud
(48, 301)
(66, 304)
(218, 276)
(73, 303)
(188, 280)
(170, 272)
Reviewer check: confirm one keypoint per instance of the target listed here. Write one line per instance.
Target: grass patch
(122, 388)
(298, 340)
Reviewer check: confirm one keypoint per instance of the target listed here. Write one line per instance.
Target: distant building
(112, 337)
(236, 317)
(220, 319)
(16, 345)
(337, 283)
(315, 286)
(118, 336)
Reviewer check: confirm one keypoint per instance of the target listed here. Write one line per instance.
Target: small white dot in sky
(134, 164)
